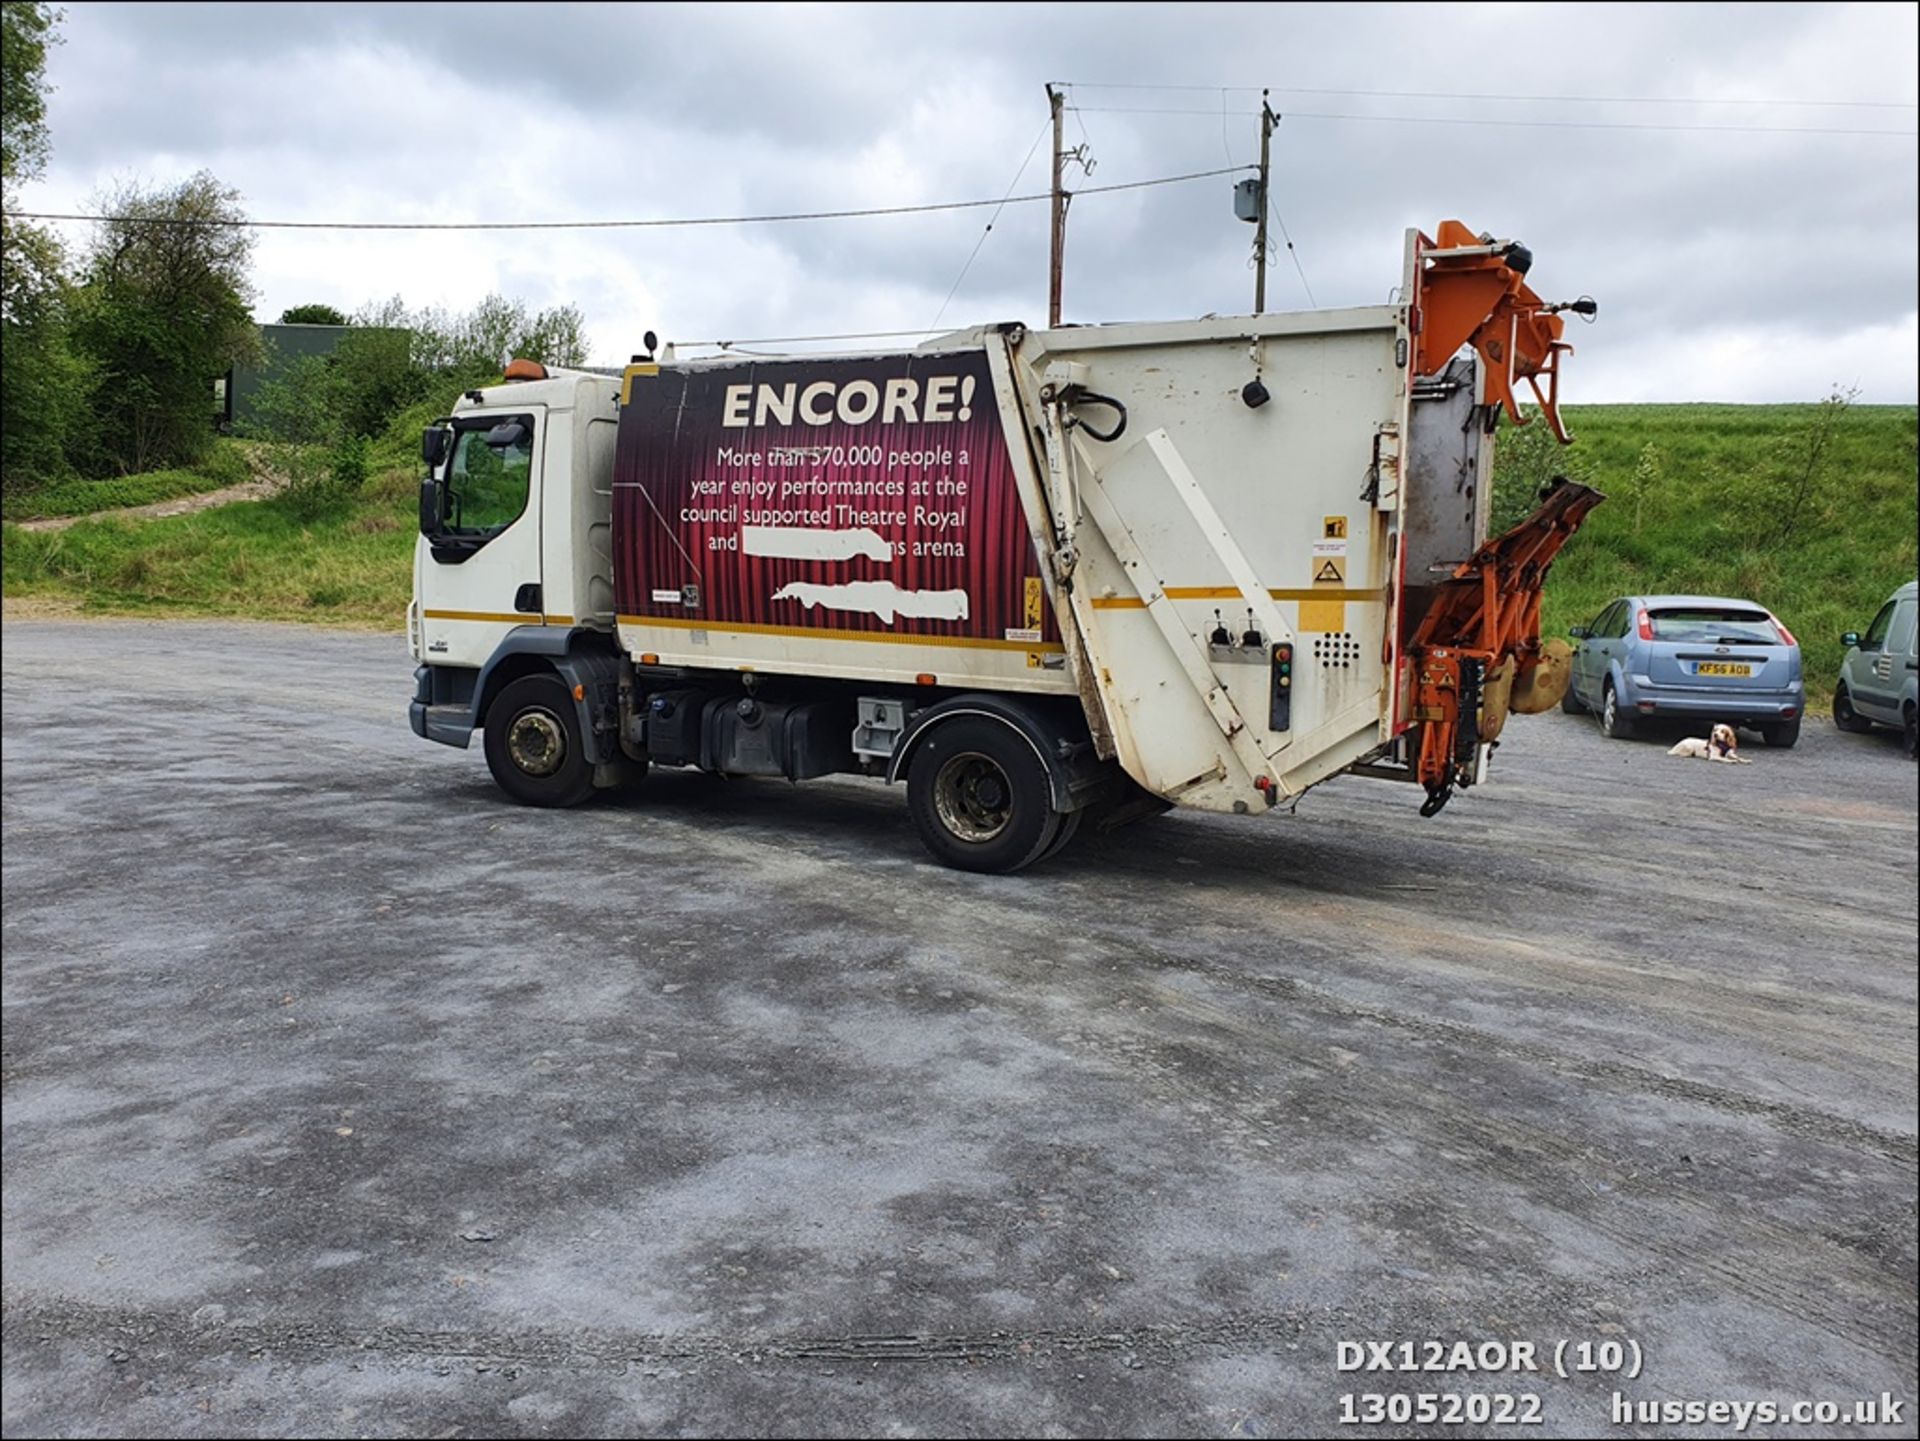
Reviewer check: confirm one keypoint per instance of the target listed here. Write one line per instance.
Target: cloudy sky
(1735, 183)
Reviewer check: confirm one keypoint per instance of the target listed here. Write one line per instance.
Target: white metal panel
(1227, 498)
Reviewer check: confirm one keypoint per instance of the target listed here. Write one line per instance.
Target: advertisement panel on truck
(868, 498)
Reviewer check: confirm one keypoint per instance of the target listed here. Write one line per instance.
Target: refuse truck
(1041, 577)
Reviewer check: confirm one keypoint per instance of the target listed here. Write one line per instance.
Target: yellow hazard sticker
(1335, 528)
(1329, 570)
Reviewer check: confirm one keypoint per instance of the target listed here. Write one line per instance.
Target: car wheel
(1614, 722)
(1845, 716)
(1569, 702)
(980, 797)
(533, 743)
(1782, 735)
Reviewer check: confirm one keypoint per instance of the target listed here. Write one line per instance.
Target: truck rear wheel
(533, 743)
(980, 797)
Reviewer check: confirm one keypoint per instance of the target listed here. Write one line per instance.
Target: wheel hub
(973, 797)
(537, 742)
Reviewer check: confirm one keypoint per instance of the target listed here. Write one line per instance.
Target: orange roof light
(526, 370)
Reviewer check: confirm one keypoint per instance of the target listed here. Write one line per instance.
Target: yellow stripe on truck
(497, 618)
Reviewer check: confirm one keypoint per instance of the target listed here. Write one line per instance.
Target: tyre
(1782, 734)
(980, 797)
(1615, 723)
(533, 743)
(1845, 716)
(1069, 828)
(1570, 703)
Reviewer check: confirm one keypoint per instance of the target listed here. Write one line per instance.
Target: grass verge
(258, 560)
(225, 465)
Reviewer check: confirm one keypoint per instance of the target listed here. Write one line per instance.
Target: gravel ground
(343, 1097)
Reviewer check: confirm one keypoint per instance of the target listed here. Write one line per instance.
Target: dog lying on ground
(1721, 746)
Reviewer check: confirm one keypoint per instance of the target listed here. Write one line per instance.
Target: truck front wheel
(533, 743)
(980, 797)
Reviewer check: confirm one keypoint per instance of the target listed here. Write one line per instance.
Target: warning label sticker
(1335, 528)
(1330, 570)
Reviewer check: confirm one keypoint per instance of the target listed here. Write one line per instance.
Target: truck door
(479, 561)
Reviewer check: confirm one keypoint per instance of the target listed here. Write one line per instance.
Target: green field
(1704, 518)
(1700, 511)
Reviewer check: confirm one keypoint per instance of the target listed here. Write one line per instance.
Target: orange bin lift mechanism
(1471, 288)
(1486, 614)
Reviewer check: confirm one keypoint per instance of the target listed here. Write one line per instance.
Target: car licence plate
(1721, 667)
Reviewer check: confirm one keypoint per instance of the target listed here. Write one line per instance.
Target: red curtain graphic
(704, 452)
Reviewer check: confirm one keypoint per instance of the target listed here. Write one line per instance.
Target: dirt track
(343, 1096)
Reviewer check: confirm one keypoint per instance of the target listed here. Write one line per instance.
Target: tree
(163, 311)
(1526, 460)
(556, 337)
(1645, 480)
(42, 384)
(26, 30)
(314, 314)
(1796, 484)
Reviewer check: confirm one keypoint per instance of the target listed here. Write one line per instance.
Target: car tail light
(1646, 626)
(1785, 634)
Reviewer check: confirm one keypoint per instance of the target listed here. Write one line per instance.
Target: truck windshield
(487, 484)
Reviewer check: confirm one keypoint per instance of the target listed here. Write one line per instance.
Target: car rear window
(1714, 625)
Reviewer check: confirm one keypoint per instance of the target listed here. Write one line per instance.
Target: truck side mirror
(433, 445)
(430, 506)
(1850, 639)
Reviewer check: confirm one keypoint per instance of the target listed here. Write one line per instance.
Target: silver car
(1880, 677)
(1688, 657)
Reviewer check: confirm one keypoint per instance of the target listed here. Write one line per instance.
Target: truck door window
(489, 476)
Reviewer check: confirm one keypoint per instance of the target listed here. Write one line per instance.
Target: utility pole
(1057, 258)
(1260, 235)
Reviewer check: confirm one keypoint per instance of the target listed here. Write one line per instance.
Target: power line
(223, 223)
(1299, 269)
(955, 289)
(1548, 124)
(1294, 253)
(1469, 95)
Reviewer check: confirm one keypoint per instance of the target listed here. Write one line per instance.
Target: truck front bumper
(435, 718)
